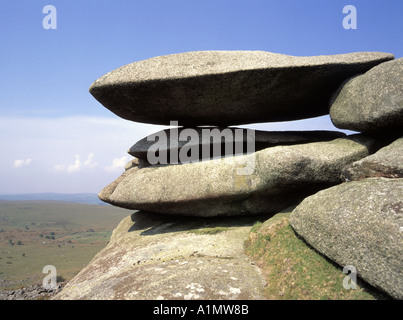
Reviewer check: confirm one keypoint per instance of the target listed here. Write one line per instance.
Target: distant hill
(89, 198)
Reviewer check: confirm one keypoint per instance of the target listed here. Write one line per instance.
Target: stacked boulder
(351, 187)
(207, 168)
(359, 223)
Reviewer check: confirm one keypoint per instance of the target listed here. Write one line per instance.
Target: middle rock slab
(265, 181)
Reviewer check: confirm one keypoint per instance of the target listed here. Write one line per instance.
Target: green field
(67, 235)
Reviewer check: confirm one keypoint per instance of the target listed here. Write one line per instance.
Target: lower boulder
(360, 224)
(151, 256)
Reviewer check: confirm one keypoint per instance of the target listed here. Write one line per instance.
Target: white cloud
(77, 165)
(118, 164)
(89, 163)
(20, 162)
(59, 167)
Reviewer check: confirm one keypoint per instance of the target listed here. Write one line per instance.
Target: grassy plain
(67, 235)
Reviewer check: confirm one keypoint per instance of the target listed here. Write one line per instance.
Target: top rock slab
(228, 87)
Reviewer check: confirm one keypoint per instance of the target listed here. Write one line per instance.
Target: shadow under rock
(155, 223)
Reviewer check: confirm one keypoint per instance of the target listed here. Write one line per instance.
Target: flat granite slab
(228, 87)
(201, 143)
(266, 181)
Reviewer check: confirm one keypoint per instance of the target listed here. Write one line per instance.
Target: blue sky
(55, 137)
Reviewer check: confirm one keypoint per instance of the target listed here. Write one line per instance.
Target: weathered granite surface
(262, 182)
(358, 223)
(228, 87)
(372, 102)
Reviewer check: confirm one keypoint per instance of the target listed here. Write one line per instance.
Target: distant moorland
(89, 198)
(67, 235)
